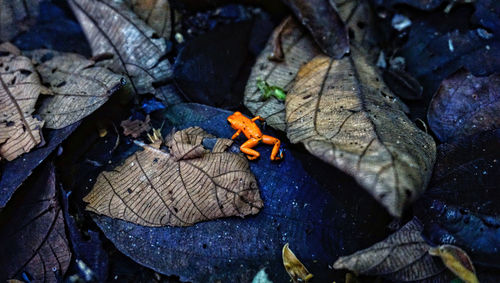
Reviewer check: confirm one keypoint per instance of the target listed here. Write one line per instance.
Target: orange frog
(241, 123)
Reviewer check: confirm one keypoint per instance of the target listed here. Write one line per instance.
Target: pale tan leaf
(403, 256)
(344, 114)
(111, 27)
(135, 128)
(153, 188)
(297, 271)
(16, 16)
(297, 48)
(457, 261)
(19, 90)
(78, 88)
(156, 13)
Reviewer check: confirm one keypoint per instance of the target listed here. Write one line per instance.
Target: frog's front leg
(258, 118)
(246, 148)
(276, 148)
(238, 132)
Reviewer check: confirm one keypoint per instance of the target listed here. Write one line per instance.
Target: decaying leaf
(344, 114)
(8, 47)
(156, 13)
(325, 25)
(465, 105)
(359, 19)
(180, 188)
(403, 256)
(19, 90)
(16, 16)
(297, 49)
(77, 86)
(457, 261)
(135, 128)
(297, 271)
(111, 27)
(32, 232)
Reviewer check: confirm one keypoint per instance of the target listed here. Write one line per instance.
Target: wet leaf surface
(324, 24)
(20, 87)
(465, 105)
(16, 16)
(459, 206)
(202, 72)
(234, 249)
(55, 29)
(86, 247)
(156, 13)
(345, 115)
(420, 4)
(402, 257)
(111, 27)
(33, 226)
(15, 172)
(297, 49)
(180, 188)
(77, 88)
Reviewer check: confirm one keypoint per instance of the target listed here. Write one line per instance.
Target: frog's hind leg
(246, 148)
(276, 148)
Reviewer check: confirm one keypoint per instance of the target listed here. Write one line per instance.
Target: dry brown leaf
(403, 256)
(111, 27)
(156, 13)
(19, 90)
(297, 48)
(457, 261)
(78, 88)
(135, 128)
(16, 16)
(297, 271)
(344, 114)
(153, 188)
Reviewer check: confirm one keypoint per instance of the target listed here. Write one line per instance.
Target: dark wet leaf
(465, 105)
(460, 207)
(402, 83)
(77, 88)
(111, 27)
(234, 249)
(440, 44)
(168, 95)
(402, 257)
(32, 232)
(16, 16)
(320, 17)
(15, 172)
(56, 30)
(89, 250)
(420, 4)
(202, 70)
(345, 115)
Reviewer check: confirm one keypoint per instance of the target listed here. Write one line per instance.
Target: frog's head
(234, 119)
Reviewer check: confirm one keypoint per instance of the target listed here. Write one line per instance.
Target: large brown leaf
(32, 232)
(78, 88)
(403, 256)
(16, 16)
(156, 13)
(180, 188)
(111, 27)
(344, 114)
(294, 47)
(297, 49)
(19, 90)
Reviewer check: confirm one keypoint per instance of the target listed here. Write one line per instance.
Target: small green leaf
(267, 91)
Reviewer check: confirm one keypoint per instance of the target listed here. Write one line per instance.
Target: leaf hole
(129, 191)
(382, 195)
(25, 72)
(351, 33)
(7, 68)
(13, 81)
(408, 193)
(155, 35)
(53, 70)
(306, 97)
(10, 123)
(361, 25)
(204, 246)
(63, 83)
(176, 210)
(47, 57)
